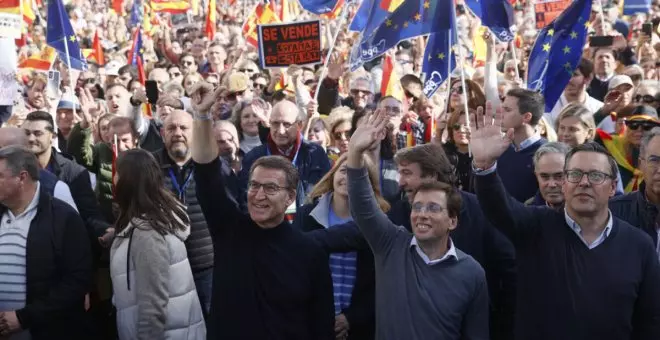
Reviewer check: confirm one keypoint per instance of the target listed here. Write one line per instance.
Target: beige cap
(619, 80)
(238, 81)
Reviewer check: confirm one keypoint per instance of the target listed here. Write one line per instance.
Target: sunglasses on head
(647, 99)
(645, 125)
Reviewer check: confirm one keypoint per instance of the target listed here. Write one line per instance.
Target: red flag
(97, 50)
(118, 7)
(211, 19)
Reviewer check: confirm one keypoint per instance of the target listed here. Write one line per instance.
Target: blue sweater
(565, 290)
(517, 171)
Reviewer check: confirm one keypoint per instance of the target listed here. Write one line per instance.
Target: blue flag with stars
(60, 36)
(137, 12)
(557, 52)
(438, 58)
(497, 15)
(413, 18)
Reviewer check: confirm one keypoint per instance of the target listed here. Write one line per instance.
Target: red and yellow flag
(95, 54)
(211, 19)
(40, 61)
(28, 12)
(261, 14)
(170, 6)
(391, 83)
(118, 7)
(390, 5)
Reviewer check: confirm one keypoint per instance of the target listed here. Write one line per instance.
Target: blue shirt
(343, 267)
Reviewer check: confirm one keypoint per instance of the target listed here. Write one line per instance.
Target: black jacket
(328, 97)
(58, 272)
(637, 211)
(360, 314)
(199, 244)
(77, 178)
(475, 236)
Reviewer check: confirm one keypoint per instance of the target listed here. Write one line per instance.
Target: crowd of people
(305, 203)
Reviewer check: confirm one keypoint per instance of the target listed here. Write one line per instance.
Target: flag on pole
(60, 36)
(557, 52)
(438, 57)
(135, 57)
(497, 15)
(391, 83)
(95, 53)
(260, 15)
(318, 7)
(28, 12)
(211, 18)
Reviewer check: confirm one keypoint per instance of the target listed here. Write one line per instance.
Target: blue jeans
(204, 286)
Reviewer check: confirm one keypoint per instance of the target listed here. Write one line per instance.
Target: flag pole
(344, 15)
(462, 66)
(515, 61)
(68, 60)
(451, 52)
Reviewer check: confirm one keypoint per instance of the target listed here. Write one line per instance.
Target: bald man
(285, 139)
(58, 189)
(175, 161)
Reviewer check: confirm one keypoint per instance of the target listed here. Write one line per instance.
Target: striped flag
(28, 12)
(40, 61)
(95, 54)
(261, 14)
(391, 83)
(211, 19)
(173, 6)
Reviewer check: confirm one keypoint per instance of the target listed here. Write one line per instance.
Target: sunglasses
(456, 90)
(357, 92)
(246, 70)
(259, 86)
(635, 125)
(340, 135)
(647, 99)
(188, 63)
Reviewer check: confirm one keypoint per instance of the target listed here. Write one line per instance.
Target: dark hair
(140, 193)
(529, 101)
(586, 67)
(454, 199)
(41, 116)
(130, 69)
(113, 85)
(608, 49)
(431, 159)
(19, 159)
(121, 121)
(597, 148)
(186, 54)
(278, 163)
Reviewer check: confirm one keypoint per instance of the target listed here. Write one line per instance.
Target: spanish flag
(95, 54)
(28, 12)
(40, 61)
(172, 7)
(390, 5)
(260, 15)
(211, 18)
(480, 47)
(118, 7)
(391, 83)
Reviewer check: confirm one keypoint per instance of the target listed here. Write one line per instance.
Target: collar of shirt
(578, 230)
(451, 252)
(33, 205)
(527, 142)
(604, 79)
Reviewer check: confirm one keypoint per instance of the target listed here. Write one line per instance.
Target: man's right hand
(369, 132)
(139, 96)
(487, 142)
(336, 66)
(87, 104)
(203, 95)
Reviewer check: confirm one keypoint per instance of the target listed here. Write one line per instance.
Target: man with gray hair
(361, 89)
(46, 269)
(640, 208)
(549, 170)
(50, 182)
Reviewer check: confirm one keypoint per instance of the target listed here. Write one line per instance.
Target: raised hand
(487, 142)
(87, 104)
(369, 132)
(336, 66)
(139, 95)
(202, 96)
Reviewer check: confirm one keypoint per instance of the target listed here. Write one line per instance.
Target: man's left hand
(9, 323)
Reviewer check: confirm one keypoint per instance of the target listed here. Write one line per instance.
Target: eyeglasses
(653, 161)
(357, 92)
(646, 126)
(594, 177)
(457, 90)
(433, 208)
(341, 135)
(269, 188)
(646, 99)
(246, 70)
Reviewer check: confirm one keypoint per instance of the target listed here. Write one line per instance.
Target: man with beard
(549, 170)
(175, 160)
(576, 92)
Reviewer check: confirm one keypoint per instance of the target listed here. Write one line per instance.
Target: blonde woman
(353, 272)
(546, 130)
(575, 125)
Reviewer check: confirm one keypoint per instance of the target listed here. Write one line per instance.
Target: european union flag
(360, 19)
(378, 11)
(60, 36)
(137, 12)
(438, 59)
(497, 15)
(413, 18)
(318, 7)
(557, 52)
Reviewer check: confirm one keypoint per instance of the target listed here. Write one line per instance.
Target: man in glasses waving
(582, 273)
